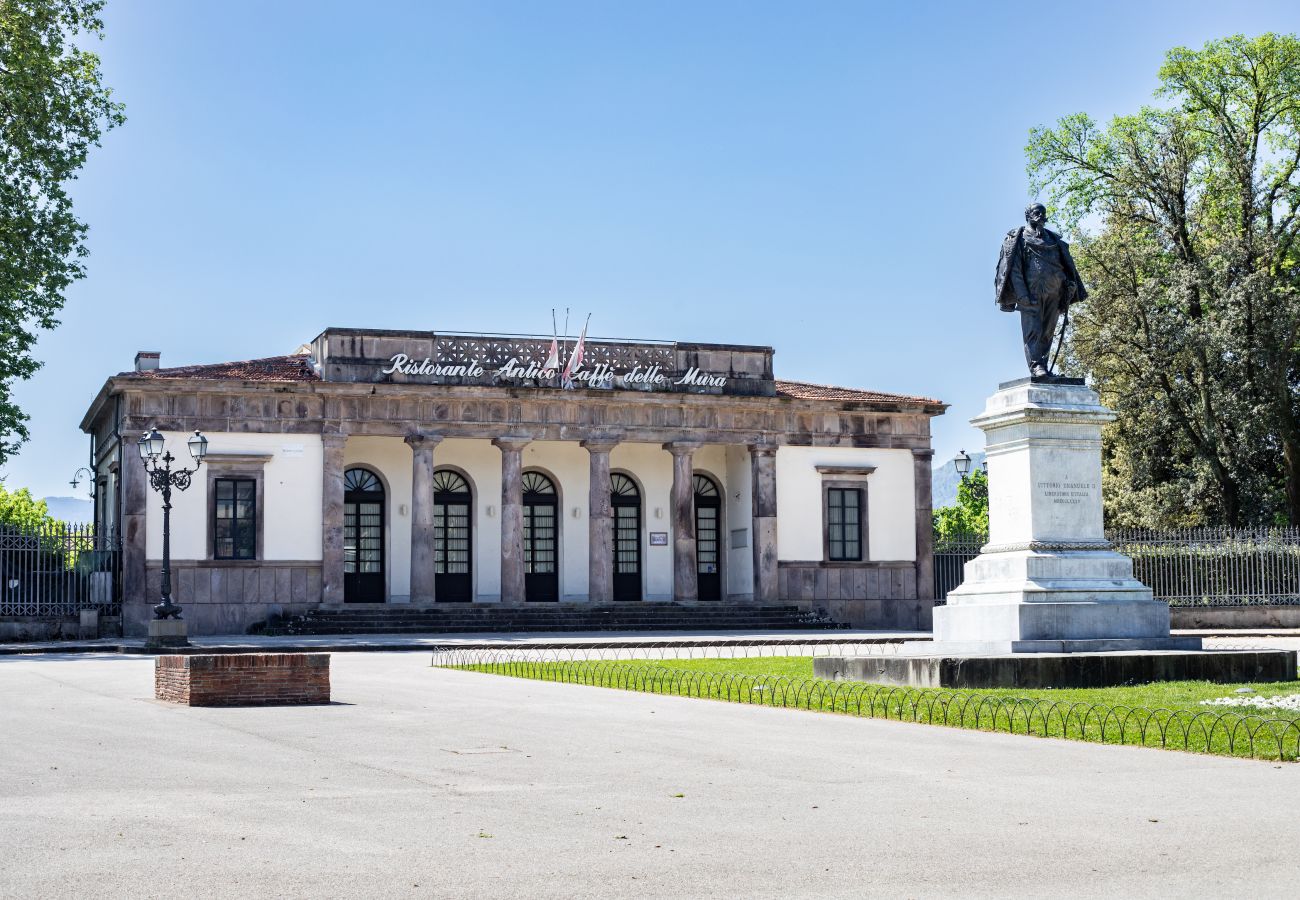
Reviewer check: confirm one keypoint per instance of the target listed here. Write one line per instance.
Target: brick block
(243, 679)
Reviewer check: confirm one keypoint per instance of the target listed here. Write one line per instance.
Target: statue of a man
(1037, 276)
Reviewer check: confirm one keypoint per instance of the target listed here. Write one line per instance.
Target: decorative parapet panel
(423, 357)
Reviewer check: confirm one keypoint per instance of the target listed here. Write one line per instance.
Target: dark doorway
(708, 516)
(541, 509)
(363, 537)
(453, 538)
(626, 501)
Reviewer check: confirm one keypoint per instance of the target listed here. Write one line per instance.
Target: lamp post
(961, 462)
(76, 479)
(162, 479)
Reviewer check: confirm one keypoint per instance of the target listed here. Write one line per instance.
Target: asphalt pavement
(427, 782)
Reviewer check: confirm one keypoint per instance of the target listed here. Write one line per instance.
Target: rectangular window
(844, 523)
(235, 531)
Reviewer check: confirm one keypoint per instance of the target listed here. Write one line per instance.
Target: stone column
(422, 568)
(332, 517)
(762, 460)
(921, 465)
(600, 524)
(512, 518)
(137, 601)
(686, 582)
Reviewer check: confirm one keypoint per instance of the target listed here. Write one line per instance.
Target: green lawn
(1165, 715)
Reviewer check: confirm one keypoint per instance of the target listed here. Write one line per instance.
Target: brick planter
(243, 679)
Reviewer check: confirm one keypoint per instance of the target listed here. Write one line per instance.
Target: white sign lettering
(601, 375)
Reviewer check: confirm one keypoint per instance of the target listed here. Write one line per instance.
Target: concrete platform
(1063, 670)
(1049, 645)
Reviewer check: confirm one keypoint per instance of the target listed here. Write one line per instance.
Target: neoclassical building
(396, 467)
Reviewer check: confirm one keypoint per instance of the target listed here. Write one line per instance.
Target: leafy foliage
(53, 109)
(970, 514)
(1185, 225)
(19, 509)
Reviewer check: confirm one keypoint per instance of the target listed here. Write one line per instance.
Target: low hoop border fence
(626, 651)
(1214, 732)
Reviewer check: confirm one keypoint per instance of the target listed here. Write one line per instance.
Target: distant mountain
(944, 480)
(70, 509)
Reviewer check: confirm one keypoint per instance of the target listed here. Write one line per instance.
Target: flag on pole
(553, 358)
(575, 359)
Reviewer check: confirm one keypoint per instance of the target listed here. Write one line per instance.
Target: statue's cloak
(1005, 295)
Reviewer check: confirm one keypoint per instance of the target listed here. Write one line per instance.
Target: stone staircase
(468, 618)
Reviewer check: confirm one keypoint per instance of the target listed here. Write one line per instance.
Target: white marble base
(1048, 581)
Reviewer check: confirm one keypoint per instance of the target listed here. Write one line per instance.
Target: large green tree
(53, 109)
(1185, 220)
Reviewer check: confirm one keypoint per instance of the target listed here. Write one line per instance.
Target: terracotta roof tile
(296, 367)
(803, 390)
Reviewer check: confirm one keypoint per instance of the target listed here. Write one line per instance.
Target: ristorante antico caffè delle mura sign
(626, 372)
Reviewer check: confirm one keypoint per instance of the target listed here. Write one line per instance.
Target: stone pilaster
(332, 517)
(600, 524)
(686, 582)
(137, 603)
(922, 466)
(512, 518)
(422, 522)
(762, 459)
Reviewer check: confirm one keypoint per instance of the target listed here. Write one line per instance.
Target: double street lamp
(163, 478)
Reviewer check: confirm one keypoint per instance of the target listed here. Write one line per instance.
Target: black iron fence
(1184, 567)
(1258, 734)
(58, 570)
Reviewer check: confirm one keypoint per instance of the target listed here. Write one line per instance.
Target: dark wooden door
(541, 544)
(626, 501)
(363, 537)
(708, 520)
(453, 538)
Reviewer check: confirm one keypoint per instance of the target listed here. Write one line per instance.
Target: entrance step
(467, 618)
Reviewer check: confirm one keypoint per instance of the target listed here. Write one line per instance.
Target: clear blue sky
(832, 179)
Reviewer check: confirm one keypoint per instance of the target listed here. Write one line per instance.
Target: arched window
(625, 498)
(363, 537)
(541, 538)
(708, 515)
(453, 538)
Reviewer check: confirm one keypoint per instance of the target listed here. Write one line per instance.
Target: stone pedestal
(167, 633)
(88, 628)
(1048, 581)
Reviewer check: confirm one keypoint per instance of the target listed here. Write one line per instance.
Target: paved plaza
(426, 782)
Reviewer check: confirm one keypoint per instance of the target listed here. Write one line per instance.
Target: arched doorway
(363, 537)
(453, 538)
(625, 498)
(541, 544)
(708, 515)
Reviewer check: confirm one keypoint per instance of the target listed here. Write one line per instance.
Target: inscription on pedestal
(1067, 493)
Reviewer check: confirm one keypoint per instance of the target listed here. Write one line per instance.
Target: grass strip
(1165, 715)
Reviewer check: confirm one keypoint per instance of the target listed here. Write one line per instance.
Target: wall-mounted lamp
(491, 511)
(659, 512)
(403, 509)
(577, 512)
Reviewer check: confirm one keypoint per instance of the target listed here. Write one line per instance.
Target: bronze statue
(1037, 276)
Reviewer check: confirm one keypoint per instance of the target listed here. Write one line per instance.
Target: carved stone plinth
(1048, 581)
(167, 633)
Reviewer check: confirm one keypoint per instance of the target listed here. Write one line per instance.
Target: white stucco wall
(480, 463)
(739, 516)
(651, 467)
(291, 499)
(891, 501)
(390, 459)
(568, 466)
